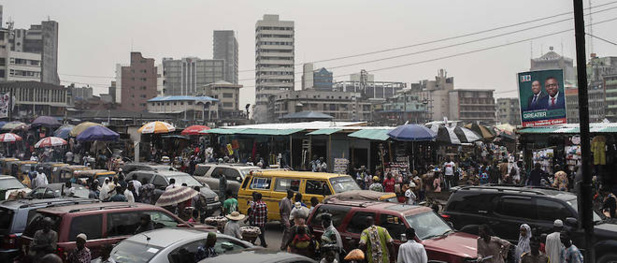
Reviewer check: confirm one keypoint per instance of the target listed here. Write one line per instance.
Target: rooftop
(183, 98)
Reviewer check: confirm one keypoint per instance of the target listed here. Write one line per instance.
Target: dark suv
(442, 243)
(505, 208)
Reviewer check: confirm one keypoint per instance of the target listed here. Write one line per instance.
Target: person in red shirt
(388, 184)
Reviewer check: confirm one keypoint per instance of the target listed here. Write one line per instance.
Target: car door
(512, 211)
(395, 226)
(353, 229)
(338, 214)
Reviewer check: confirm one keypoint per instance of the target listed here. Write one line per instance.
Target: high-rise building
(274, 62)
(136, 83)
(307, 76)
(472, 105)
(182, 77)
(226, 48)
(509, 111)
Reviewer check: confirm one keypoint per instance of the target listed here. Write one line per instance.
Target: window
(122, 224)
(358, 222)
(471, 203)
(232, 174)
(283, 184)
(338, 214)
(217, 171)
(315, 187)
(550, 210)
(393, 224)
(260, 183)
(186, 253)
(516, 207)
(161, 220)
(159, 182)
(228, 95)
(90, 225)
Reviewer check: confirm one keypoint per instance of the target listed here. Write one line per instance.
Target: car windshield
(129, 251)
(245, 171)
(574, 204)
(185, 179)
(428, 225)
(10, 183)
(343, 184)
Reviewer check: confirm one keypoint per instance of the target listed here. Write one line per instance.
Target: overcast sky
(95, 35)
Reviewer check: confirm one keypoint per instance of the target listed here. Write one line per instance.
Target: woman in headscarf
(331, 239)
(523, 242)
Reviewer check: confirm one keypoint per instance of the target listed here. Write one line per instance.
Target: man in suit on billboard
(533, 103)
(555, 99)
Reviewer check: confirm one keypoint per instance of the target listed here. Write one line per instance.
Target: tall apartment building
(226, 48)
(610, 86)
(509, 111)
(182, 77)
(365, 84)
(552, 60)
(471, 105)
(436, 94)
(136, 83)
(274, 62)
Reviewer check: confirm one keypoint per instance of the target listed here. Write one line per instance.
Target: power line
(607, 41)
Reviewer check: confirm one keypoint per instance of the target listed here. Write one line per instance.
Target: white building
(274, 62)
(185, 107)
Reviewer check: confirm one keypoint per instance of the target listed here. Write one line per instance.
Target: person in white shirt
(136, 184)
(129, 195)
(411, 251)
(104, 194)
(41, 178)
(34, 158)
(553, 242)
(410, 196)
(172, 184)
(448, 171)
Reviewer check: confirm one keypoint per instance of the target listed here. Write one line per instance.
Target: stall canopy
(269, 132)
(372, 134)
(324, 131)
(570, 129)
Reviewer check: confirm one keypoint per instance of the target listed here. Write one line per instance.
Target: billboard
(542, 97)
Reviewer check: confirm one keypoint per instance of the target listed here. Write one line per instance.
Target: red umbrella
(50, 142)
(9, 137)
(194, 130)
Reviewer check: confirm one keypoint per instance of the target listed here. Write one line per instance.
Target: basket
(216, 221)
(250, 233)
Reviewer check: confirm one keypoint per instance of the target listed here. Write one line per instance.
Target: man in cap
(44, 240)
(376, 186)
(232, 228)
(207, 250)
(553, 242)
(81, 254)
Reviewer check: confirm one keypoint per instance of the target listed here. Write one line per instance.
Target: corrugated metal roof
(371, 134)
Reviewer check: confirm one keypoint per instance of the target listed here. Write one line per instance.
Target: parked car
(9, 184)
(505, 208)
(160, 180)
(169, 245)
(273, 185)
(209, 173)
(129, 167)
(259, 256)
(366, 195)
(57, 190)
(440, 240)
(14, 217)
(103, 223)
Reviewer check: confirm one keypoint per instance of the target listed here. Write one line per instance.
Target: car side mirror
(571, 222)
(239, 179)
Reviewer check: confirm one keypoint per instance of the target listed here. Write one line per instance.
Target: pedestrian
(68, 157)
(222, 186)
(44, 240)
(570, 253)
(410, 196)
(259, 217)
(609, 203)
(376, 186)
(553, 242)
(136, 184)
(32, 175)
(494, 174)
(329, 257)
(561, 181)
(146, 192)
(119, 196)
(106, 254)
(69, 190)
(145, 224)
(331, 239)
(231, 204)
(200, 204)
(172, 184)
(323, 166)
(523, 245)
(94, 191)
(128, 193)
(299, 211)
(298, 198)
(314, 203)
(81, 254)
(536, 175)
(388, 183)
(41, 179)
(207, 250)
(194, 216)
(377, 243)
(448, 170)
(285, 212)
(104, 194)
(534, 255)
(491, 249)
(232, 227)
(301, 242)
(436, 183)
(411, 251)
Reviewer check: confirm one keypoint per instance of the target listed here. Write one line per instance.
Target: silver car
(171, 245)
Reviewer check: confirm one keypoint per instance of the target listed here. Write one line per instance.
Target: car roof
(170, 173)
(528, 191)
(384, 206)
(295, 174)
(23, 203)
(236, 165)
(256, 256)
(165, 237)
(7, 177)
(96, 206)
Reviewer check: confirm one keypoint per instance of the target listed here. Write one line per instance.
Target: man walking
(448, 169)
(412, 251)
(377, 243)
(570, 253)
(553, 242)
(285, 212)
(536, 175)
(259, 217)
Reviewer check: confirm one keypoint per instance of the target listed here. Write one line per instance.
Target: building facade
(509, 111)
(321, 79)
(228, 96)
(436, 93)
(552, 60)
(472, 105)
(182, 77)
(610, 86)
(136, 83)
(365, 84)
(307, 76)
(274, 62)
(226, 48)
(34, 98)
(406, 106)
(190, 108)
(343, 106)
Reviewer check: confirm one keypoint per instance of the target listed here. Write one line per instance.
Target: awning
(324, 132)
(371, 134)
(221, 131)
(269, 132)
(539, 130)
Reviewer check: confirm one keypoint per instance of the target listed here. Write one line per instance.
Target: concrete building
(365, 84)
(552, 60)
(183, 76)
(509, 111)
(17, 65)
(274, 62)
(226, 48)
(436, 93)
(610, 87)
(406, 106)
(307, 76)
(572, 114)
(193, 109)
(37, 98)
(136, 83)
(471, 105)
(83, 93)
(321, 79)
(228, 96)
(343, 106)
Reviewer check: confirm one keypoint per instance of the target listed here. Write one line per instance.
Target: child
(301, 242)
(195, 217)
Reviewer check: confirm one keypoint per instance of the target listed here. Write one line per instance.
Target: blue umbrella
(413, 133)
(98, 133)
(63, 131)
(45, 121)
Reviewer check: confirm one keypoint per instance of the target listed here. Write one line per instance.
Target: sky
(94, 36)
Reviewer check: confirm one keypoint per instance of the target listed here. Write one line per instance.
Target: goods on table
(250, 233)
(217, 221)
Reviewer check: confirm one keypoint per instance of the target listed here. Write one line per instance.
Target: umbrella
(506, 127)
(484, 131)
(194, 130)
(505, 134)
(45, 121)
(412, 132)
(50, 142)
(81, 127)
(9, 137)
(14, 125)
(454, 134)
(98, 133)
(156, 127)
(64, 131)
(176, 195)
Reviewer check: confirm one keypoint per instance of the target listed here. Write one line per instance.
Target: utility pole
(585, 203)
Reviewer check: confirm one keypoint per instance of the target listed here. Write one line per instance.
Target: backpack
(301, 241)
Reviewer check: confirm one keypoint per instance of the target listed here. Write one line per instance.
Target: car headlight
(216, 198)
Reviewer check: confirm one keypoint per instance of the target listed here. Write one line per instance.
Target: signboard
(340, 165)
(542, 97)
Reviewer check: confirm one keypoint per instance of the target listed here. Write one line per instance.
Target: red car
(442, 243)
(103, 223)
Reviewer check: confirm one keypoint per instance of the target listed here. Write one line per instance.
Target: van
(82, 176)
(209, 173)
(67, 172)
(273, 185)
(52, 170)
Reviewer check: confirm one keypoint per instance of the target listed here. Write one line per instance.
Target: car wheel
(610, 258)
